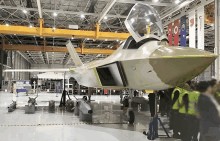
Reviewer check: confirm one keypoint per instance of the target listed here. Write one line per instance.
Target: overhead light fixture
(106, 40)
(82, 16)
(177, 1)
(147, 20)
(117, 40)
(25, 11)
(54, 14)
(105, 17)
(156, 0)
(134, 9)
(6, 24)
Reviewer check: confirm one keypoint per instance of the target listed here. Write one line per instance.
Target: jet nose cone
(175, 65)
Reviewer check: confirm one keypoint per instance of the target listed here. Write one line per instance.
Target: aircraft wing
(38, 70)
(73, 54)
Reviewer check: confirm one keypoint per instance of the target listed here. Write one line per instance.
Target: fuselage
(151, 66)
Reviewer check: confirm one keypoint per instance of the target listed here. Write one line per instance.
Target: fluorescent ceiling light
(82, 16)
(25, 11)
(177, 1)
(54, 14)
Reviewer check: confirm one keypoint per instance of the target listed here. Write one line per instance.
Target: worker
(182, 109)
(162, 104)
(151, 97)
(168, 101)
(189, 121)
(209, 112)
(215, 90)
(135, 93)
(174, 119)
(195, 118)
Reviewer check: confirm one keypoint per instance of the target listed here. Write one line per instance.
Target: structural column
(10, 65)
(217, 38)
(78, 88)
(1, 67)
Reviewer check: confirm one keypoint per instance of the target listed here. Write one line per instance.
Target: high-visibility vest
(193, 99)
(181, 106)
(176, 89)
(176, 104)
(196, 97)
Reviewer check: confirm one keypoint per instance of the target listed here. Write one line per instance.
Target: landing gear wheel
(131, 117)
(85, 98)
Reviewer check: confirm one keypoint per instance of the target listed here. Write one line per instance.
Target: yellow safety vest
(176, 89)
(182, 108)
(176, 104)
(193, 99)
(196, 97)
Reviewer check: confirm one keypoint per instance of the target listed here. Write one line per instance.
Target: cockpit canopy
(141, 19)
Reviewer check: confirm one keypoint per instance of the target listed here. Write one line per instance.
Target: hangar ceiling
(84, 13)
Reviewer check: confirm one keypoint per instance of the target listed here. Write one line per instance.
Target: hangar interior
(33, 35)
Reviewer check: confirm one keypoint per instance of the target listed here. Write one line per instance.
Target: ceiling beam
(24, 30)
(55, 49)
(48, 21)
(175, 8)
(60, 11)
(185, 12)
(24, 56)
(106, 9)
(142, 2)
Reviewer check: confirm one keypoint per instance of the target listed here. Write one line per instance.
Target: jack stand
(153, 126)
(153, 129)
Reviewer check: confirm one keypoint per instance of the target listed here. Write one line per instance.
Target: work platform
(107, 124)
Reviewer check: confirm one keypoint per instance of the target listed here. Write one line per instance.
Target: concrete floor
(63, 126)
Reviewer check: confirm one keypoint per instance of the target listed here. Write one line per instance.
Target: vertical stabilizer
(73, 54)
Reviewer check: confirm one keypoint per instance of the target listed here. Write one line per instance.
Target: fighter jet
(143, 61)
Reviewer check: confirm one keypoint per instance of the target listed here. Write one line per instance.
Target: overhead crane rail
(68, 33)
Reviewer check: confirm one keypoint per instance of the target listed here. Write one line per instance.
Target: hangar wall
(18, 62)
